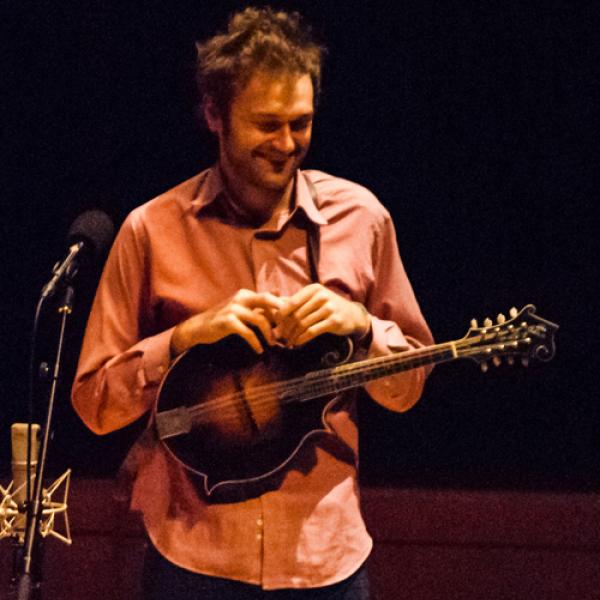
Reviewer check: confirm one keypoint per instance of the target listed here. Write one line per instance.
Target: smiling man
(276, 257)
(264, 137)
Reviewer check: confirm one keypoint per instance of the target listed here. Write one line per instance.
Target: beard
(262, 168)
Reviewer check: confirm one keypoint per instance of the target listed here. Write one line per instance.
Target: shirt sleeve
(397, 322)
(121, 365)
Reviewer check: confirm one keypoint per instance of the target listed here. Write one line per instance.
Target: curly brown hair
(262, 38)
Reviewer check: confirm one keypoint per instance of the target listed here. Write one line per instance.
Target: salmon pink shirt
(184, 252)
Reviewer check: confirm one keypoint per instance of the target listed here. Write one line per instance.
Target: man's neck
(259, 206)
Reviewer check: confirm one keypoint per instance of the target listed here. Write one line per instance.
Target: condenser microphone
(89, 237)
(21, 471)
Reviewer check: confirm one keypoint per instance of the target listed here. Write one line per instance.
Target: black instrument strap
(312, 236)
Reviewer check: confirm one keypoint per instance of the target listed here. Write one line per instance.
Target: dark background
(473, 123)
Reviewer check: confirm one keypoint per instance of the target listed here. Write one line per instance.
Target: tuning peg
(487, 322)
(501, 319)
(474, 323)
(513, 312)
(484, 367)
(510, 360)
(525, 360)
(497, 361)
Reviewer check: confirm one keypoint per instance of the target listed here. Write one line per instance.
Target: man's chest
(217, 260)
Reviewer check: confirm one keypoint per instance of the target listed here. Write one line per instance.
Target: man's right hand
(239, 314)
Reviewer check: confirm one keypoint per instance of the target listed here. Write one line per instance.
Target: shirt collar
(305, 201)
(212, 186)
(209, 188)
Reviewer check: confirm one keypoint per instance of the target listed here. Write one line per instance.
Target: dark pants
(163, 580)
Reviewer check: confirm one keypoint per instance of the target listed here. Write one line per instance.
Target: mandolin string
(228, 412)
(276, 389)
(263, 396)
(226, 405)
(327, 380)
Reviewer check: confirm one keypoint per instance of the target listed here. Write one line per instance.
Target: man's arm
(121, 366)
(397, 323)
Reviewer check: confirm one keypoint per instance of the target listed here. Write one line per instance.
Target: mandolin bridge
(174, 422)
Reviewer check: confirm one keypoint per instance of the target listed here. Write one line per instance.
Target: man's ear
(212, 115)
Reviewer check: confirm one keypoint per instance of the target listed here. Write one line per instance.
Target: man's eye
(300, 124)
(268, 127)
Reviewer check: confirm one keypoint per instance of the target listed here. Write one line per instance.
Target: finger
(309, 320)
(289, 327)
(312, 304)
(312, 332)
(264, 300)
(298, 299)
(247, 334)
(270, 314)
(257, 319)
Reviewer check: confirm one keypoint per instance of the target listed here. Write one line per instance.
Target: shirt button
(259, 522)
(259, 536)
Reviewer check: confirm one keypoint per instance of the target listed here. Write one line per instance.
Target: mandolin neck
(345, 377)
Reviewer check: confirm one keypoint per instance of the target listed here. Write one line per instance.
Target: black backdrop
(472, 122)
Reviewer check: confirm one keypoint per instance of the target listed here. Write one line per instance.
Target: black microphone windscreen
(95, 229)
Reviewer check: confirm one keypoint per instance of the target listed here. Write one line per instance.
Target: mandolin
(235, 418)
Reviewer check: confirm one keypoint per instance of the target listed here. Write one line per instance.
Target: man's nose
(284, 140)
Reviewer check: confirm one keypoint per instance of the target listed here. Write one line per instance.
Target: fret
(345, 377)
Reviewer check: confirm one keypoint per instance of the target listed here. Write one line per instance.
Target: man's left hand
(315, 310)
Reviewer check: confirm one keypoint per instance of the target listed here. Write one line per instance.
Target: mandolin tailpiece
(174, 422)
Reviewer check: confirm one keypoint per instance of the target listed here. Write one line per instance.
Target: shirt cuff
(395, 392)
(386, 338)
(156, 357)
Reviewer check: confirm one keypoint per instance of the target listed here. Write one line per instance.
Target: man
(257, 248)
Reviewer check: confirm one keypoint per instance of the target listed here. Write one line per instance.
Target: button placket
(260, 528)
(262, 264)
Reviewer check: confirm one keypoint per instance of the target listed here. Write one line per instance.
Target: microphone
(21, 471)
(89, 237)
(14, 502)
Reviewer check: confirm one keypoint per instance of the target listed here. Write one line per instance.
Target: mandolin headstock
(524, 336)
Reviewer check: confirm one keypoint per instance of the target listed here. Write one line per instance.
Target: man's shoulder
(337, 194)
(174, 202)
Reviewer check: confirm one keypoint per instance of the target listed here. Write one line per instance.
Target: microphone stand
(30, 580)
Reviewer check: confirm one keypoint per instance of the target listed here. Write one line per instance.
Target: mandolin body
(229, 415)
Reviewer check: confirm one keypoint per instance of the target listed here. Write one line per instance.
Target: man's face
(268, 131)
